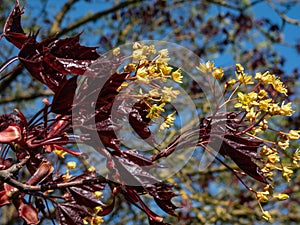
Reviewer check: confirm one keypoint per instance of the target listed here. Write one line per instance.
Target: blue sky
(291, 32)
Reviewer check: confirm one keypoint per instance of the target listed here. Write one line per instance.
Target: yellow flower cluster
(257, 106)
(147, 70)
(241, 76)
(264, 197)
(94, 219)
(296, 158)
(209, 67)
(168, 122)
(271, 79)
(155, 111)
(151, 72)
(258, 100)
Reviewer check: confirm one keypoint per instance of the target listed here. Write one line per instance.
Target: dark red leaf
(138, 159)
(242, 150)
(71, 214)
(133, 174)
(13, 30)
(83, 196)
(246, 164)
(132, 196)
(63, 98)
(163, 197)
(138, 123)
(241, 155)
(109, 91)
(107, 209)
(151, 222)
(51, 60)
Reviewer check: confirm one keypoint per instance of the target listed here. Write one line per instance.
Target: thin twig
(96, 16)
(60, 16)
(283, 16)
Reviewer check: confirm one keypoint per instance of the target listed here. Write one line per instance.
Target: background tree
(227, 32)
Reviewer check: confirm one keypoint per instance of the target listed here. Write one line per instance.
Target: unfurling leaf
(13, 30)
(44, 170)
(27, 212)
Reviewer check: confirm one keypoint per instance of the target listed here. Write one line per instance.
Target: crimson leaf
(13, 30)
(71, 213)
(51, 60)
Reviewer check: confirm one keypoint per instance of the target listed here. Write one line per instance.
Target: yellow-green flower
(279, 87)
(163, 56)
(164, 69)
(273, 158)
(168, 94)
(163, 53)
(245, 100)
(229, 84)
(268, 78)
(60, 153)
(287, 173)
(262, 196)
(262, 94)
(177, 76)
(130, 67)
(142, 72)
(239, 68)
(251, 115)
(264, 104)
(244, 79)
(286, 110)
(206, 67)
(116, 51)
(142, 75)
(284, 144)
(154, 93)
(155, 111)
(274, 109)
(218, 73)
(137, 45)
(294, 134)
(98, 194)
(266, 151)
(98, 220)
(266, 215)
(71, 165)
(296, 158)
(281, 197)
(91, 169)
(169, 121)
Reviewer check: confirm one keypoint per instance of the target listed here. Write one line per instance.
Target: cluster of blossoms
(258, 100)
(151, 74)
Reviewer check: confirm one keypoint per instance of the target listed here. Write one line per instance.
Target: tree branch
(25, 96)
(6, 176)
(96, 16)
(60, 16)
(283, 16)
(10, 77)
(227, 5)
